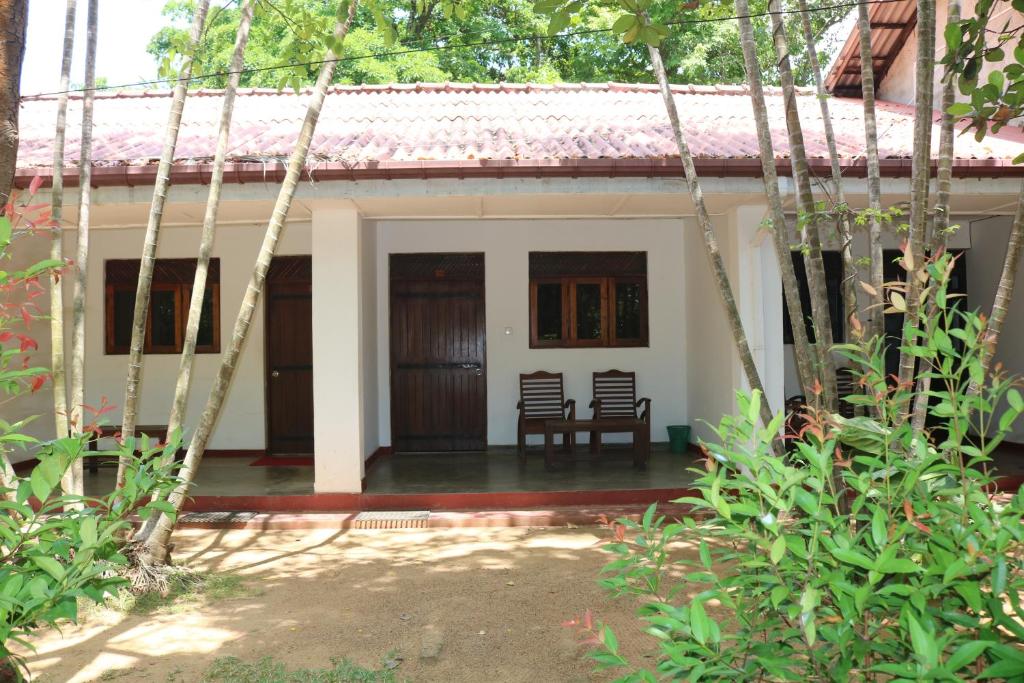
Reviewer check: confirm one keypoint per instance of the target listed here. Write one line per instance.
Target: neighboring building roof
(891, 22)
(469, 130)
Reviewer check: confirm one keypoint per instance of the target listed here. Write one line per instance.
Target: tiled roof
(470, 126)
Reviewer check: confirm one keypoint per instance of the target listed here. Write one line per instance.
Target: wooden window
(587, 299)
(168, 306)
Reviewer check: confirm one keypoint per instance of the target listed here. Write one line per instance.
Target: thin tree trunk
(195, 310)
(156, 545)
(790, 287)
(920, 172)
(12, 52)
(710, 241)
(874, 175)
(940, 221)
(73, 478)
(851, 310)
(815, 266)
(156, 214)
(58, 368)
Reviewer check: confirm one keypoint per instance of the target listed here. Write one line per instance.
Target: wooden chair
(615, 397)
(541, 399)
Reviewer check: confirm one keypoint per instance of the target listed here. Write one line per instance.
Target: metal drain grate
(397, 519)
(216, 517)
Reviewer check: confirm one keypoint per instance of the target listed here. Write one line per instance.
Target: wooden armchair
(615, 397)
(542, 398)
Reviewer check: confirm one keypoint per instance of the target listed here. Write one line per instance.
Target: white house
(472, 193)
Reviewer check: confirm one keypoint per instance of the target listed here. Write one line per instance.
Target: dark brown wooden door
(289, 356)
(438, 368)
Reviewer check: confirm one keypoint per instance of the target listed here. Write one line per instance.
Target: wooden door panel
(289, 356)
(438, 372)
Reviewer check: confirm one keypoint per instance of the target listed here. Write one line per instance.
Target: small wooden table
(158, 432)
(610, 425)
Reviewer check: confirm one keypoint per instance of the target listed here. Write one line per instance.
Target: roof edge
(241, 173)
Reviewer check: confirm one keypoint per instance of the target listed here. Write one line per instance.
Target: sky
(125, 28)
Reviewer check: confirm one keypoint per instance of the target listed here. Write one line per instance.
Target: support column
(759, 297)
(337, 339)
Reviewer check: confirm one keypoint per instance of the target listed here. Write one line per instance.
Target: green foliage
(992, 36)
(187, 590)
(866, 553)
(56, 549)
(453, 36)
(266, 670)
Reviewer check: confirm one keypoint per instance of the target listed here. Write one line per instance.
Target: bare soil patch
(453, 604)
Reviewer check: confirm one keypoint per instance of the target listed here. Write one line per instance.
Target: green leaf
(879, 530)
(705, 554)
(966, 654)
(960, 109)
(778, 549)
(898, 566)
(624, 23)
(5, 232)
(853, 557)
(49, 565)
(923, 643)
(40, 486)
(87, 531)
(1005, 669)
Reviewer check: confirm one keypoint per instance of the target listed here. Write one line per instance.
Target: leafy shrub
(57, 548)
(868, 552)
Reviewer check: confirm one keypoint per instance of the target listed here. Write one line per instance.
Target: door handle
(275, 374)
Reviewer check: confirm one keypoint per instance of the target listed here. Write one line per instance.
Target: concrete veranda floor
(495, 470)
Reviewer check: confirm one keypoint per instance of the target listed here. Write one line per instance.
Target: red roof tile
(567, 126)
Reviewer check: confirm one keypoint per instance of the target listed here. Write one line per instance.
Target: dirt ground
(495, 598)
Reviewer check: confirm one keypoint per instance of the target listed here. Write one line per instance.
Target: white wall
(661, 368)
(241, 424)
(984, 266)
(26, 249)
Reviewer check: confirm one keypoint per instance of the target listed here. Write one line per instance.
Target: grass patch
(266, 670)
(186, 591)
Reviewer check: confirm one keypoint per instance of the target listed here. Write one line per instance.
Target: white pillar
(758, 290)
(337, 339)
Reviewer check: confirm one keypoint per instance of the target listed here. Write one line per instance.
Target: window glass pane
(205, 333)
(549, 311)
(588, 311)
(162, 305)
(627, 310)
(124, 312)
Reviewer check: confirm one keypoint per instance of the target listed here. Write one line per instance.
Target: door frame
(301, 264)
(391, 350)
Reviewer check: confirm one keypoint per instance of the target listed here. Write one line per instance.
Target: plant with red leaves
(872, 550)
(19, 290)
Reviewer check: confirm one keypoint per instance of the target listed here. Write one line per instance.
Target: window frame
(181, 285)
(570, 333)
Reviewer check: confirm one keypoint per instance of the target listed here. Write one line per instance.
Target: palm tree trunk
(156, 214)
(195, 309)
(156, 545)
(851, 310)
(805, 201)
(920, 172)
(60, 396)
(874, 175)
(73, 478)
(940, 221)
(12, 52)
(791, 289)
(710, 241)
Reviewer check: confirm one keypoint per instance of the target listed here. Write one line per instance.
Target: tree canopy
(481, 41)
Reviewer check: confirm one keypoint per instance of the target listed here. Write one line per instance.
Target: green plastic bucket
(678, 438)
